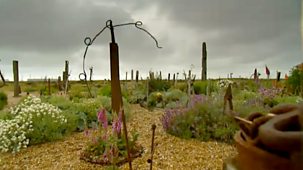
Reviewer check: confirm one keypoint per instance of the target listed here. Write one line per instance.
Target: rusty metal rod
(152, 147)
(126, 140)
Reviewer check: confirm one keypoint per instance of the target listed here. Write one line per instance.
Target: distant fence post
(90, 73)
(168, 77)
(132, 75)
(49, 87)
(137, 76)
(16, 78)
(59, 83)
(65, 77)
(174, 79)
(204, 64)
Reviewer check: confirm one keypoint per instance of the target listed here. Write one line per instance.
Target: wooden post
(160, 75)
(132, 75)
(49, 87)
(204, 65)
(117, 104)
(66, 76)
(59, 84)
(137, 76)
(115, 81)
(168, 77)
(228, 98)
(90, 73)
(126, 77)
(16, 78)
(174, 79)
(189, 83)
(278, 76)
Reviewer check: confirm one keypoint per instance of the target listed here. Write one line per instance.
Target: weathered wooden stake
(152, 148)
(65, 78)
(16, 78)
(117, 104)
(126, 76)
(168, 77)
(137, 76)
(174, 79)
(278, 76)
(228, 98)
(160, 75)
(90, 73)
(189, 83)
(59, 83)
(132, 75)
(204, 64)
(115, 81)
(49, 87)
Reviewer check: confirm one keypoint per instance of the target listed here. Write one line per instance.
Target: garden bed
(170, 152)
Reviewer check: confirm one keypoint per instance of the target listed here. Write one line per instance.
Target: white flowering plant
(224, 83)
(33, 122)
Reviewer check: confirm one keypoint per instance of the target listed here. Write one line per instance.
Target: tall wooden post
(117, 103)
(204, 64)
(160, 75)
(174, 79)
(49, 87)
(16, 78)
(168, 77)
(115, 81)
(59, 84)
(126, 76)
(65, 76)
(137, 76)
(90, 73)
(132, 75)
(189, 83)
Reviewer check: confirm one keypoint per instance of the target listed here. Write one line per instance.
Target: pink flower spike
(102, 118)
(117, 124)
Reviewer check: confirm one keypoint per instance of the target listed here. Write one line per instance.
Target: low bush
(3, 100)
(201, 119)
(33, 122)
(295, 81)
(158, 85)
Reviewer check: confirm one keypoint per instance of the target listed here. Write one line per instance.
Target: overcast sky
(241, 35)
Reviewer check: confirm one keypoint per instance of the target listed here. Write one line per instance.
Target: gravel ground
(170, 152)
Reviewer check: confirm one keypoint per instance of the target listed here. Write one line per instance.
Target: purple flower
(196, 99)
(170, 115)
(102, 118)
(117, 124)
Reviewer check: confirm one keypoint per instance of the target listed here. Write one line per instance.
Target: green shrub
(181, 86)
(175, 98)
(200, 87)
(158, 85)
(3, 100)
(295, 81)
(105, 91)
(155, 99)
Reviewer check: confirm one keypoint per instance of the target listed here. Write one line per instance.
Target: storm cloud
(241, 35)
